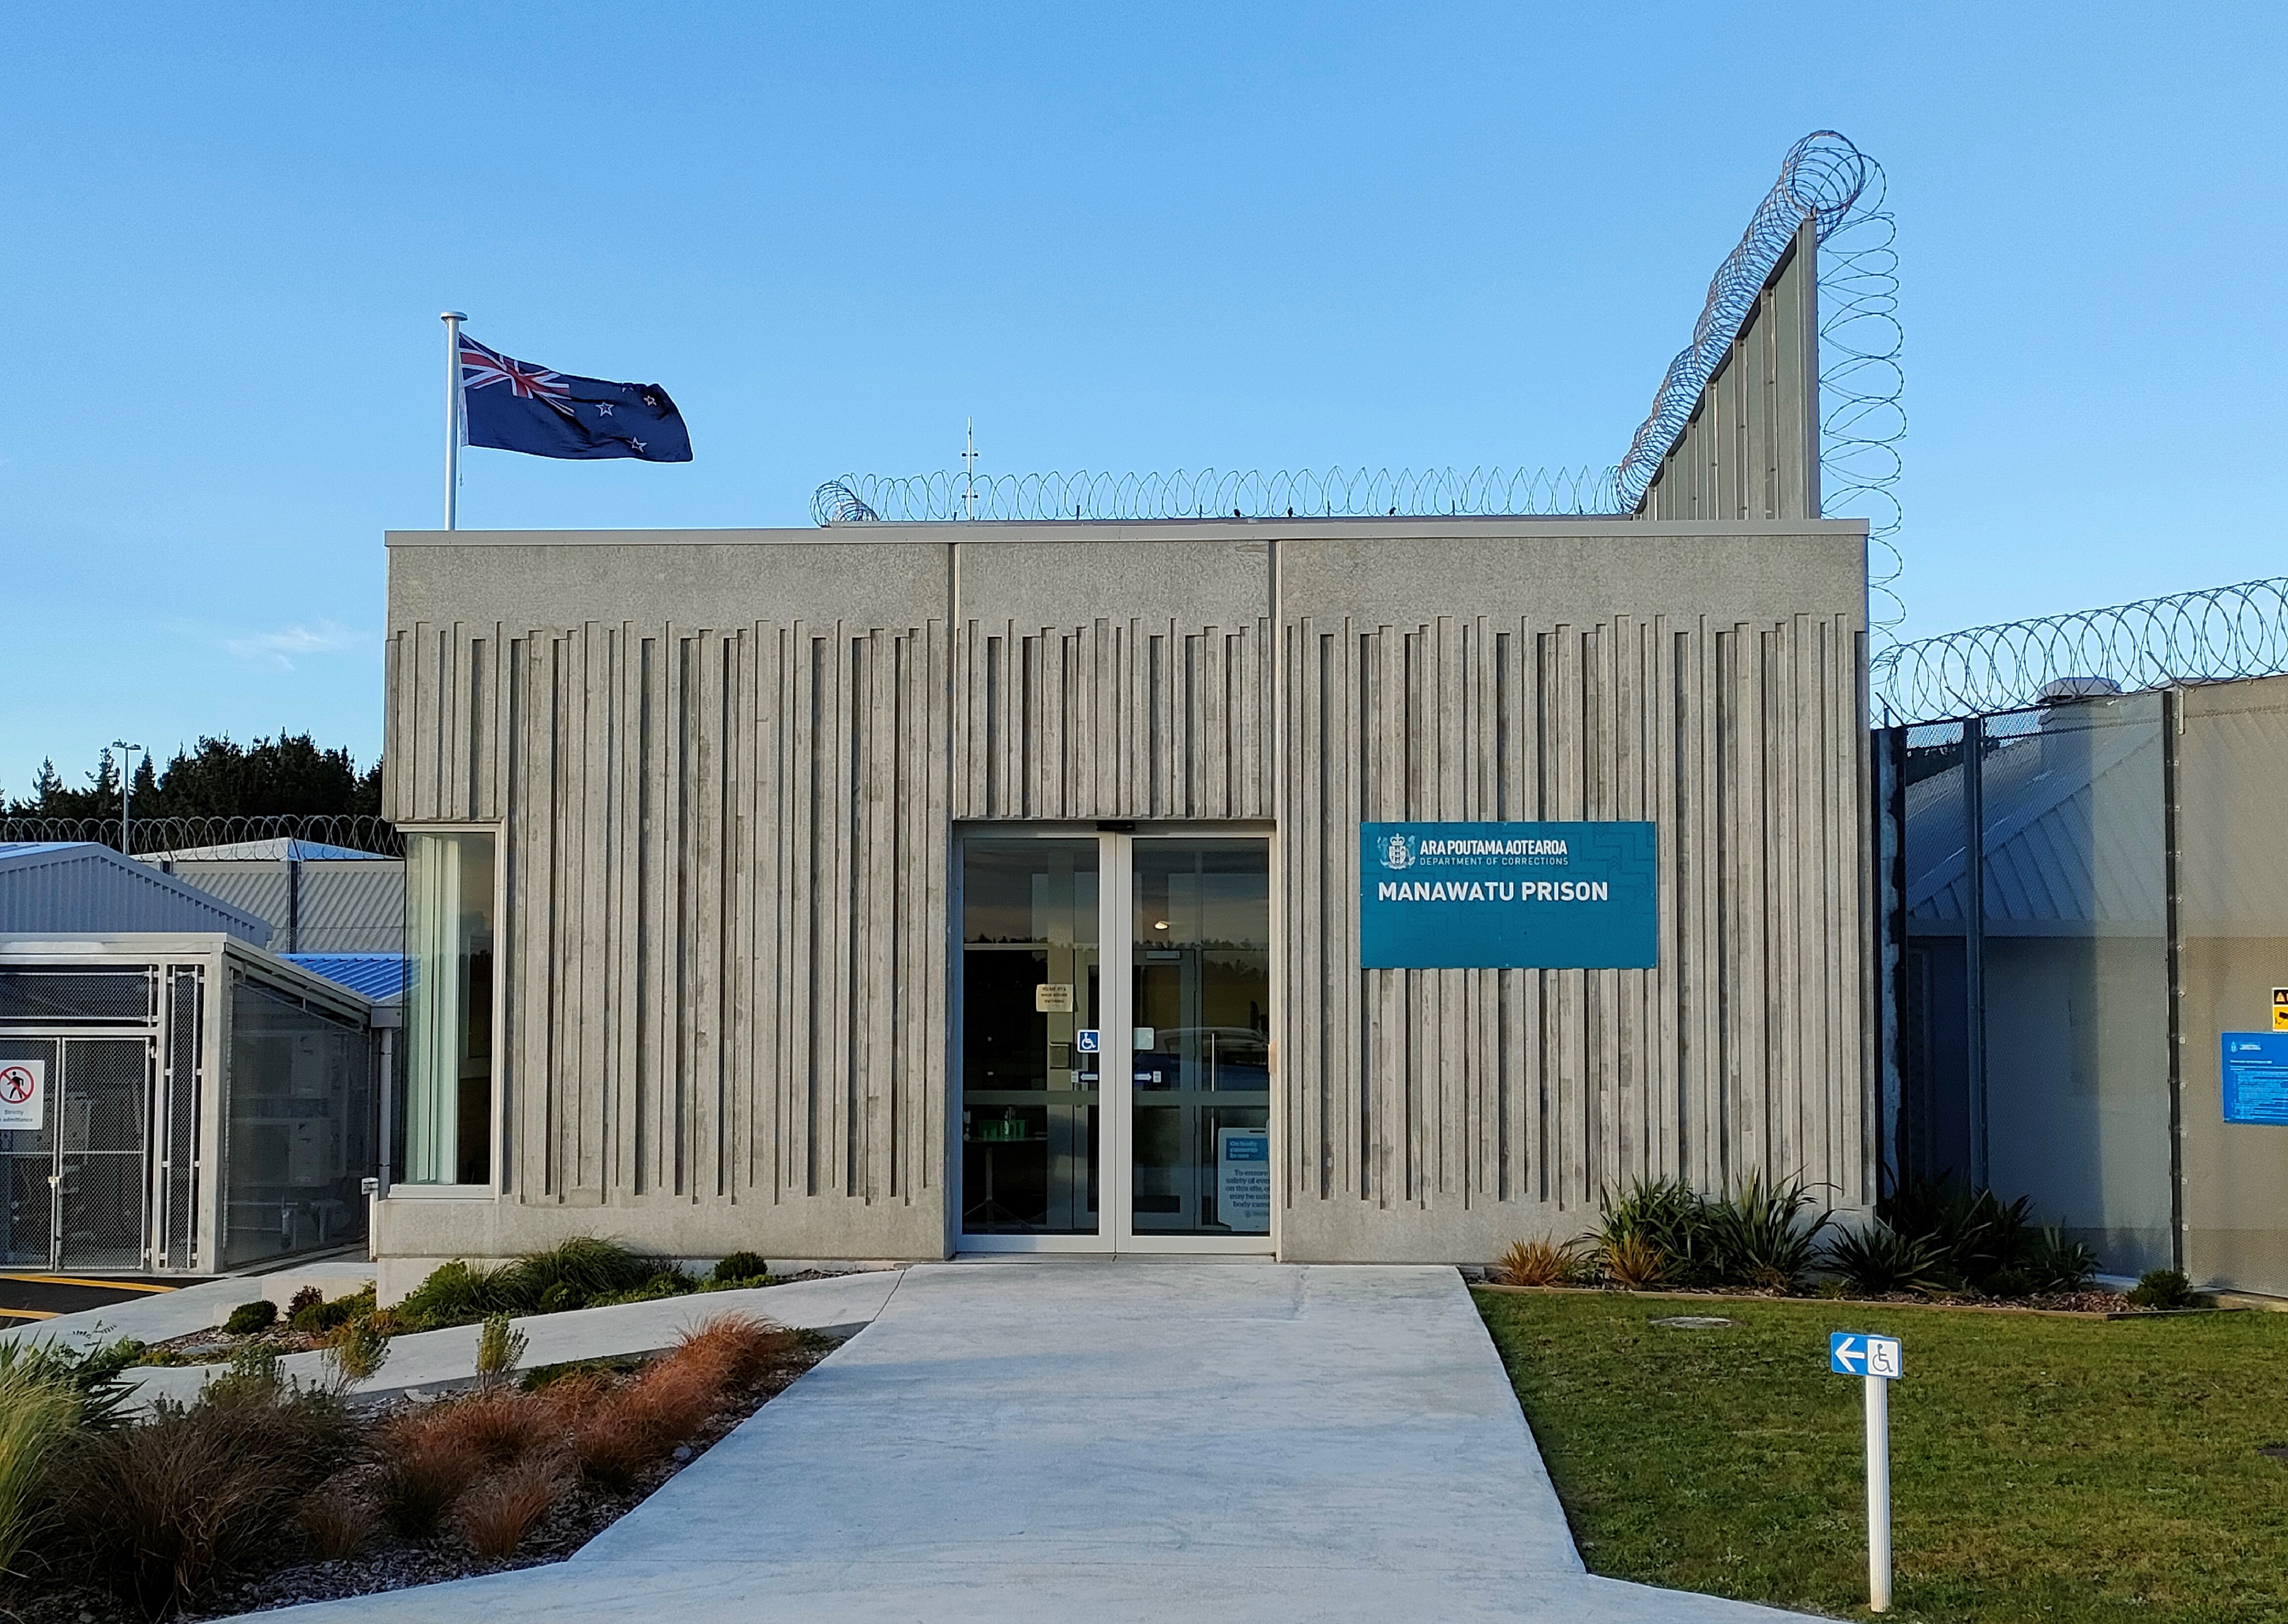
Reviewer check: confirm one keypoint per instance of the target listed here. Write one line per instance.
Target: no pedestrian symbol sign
(23, 1096)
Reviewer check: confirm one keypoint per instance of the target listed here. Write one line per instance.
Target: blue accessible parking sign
(1861, 1353)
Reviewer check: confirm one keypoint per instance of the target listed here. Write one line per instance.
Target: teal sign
(1508, 896)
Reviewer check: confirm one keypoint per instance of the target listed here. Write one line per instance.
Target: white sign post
(1876, 1362)
(23, 1096)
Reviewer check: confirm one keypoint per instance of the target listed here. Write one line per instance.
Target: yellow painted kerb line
(69, 1279)
(24, 1313)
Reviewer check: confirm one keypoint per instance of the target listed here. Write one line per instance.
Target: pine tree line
(288, 776)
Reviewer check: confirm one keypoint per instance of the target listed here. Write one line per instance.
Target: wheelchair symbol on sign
(17, 1084)
(1085, 1041)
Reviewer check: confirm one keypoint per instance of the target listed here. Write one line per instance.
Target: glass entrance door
(1201, 1029)
(1030, 1084)
(1113, 1045)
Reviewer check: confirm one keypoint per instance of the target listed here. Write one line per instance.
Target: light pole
(126, 788)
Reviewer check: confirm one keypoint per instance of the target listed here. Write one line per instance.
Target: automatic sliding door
(1029, 1086)
(1201, 981)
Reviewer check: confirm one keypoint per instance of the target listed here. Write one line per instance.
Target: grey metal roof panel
(83, 887)
(2073, 834)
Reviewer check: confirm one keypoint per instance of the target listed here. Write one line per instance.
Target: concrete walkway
(1106, 1442)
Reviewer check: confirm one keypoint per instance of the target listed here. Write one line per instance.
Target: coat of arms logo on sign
(1508, 896)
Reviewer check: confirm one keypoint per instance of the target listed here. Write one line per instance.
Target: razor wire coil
(168, 836)
(1823, 178)
(2222, 634)
(1216, 493)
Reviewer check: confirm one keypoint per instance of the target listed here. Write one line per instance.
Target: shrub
(2055, 1264)
(37, 1410)
(1877, 1259)
(321, 1317)
(252, 1374)
(302, 1301)
(335, 1520)
(741, 1266)
(164, 1510)
(248, 1318)
(2163, 1289)
(1971, 1231)
(2009, 1283)
(573, 1274)
(358, 1350)
(1537, 1262)
(428, 1462)
(1671, 1217)
(499, 1349)
(1636, 1263)
(1760, 1237)
(497, 1514)
(666, 1283)
(458, 1293)
(587, 1267)
(504, 1426)
(739, 1346)
(90, 1371)
(613, 1444)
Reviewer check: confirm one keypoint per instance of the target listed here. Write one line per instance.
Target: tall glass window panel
(448, 1030)
(1203, 1037)
(1935, 1036)
(2076, 971)
(1030, 1065)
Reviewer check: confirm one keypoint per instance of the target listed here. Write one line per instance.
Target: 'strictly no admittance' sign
(1507, 896)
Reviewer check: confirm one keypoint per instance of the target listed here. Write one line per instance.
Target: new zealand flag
(515, 405)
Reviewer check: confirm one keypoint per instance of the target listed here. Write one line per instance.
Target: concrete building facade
(725, 780)
(897, 890)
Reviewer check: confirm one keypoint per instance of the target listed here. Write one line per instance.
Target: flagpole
(452, 320)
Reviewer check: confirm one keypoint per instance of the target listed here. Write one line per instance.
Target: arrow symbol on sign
(1849, 1353)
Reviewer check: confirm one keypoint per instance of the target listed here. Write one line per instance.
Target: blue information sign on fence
(1507, 896)
(2255, 1065)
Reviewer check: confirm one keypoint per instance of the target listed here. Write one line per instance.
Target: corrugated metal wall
(83, 888)
(1413, 1091)
(1752, 449)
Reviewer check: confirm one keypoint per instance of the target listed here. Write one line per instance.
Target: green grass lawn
(2041, 1467)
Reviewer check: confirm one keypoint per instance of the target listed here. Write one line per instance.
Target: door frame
(1117, 1234)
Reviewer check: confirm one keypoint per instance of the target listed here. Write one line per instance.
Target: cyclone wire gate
(107, 1182)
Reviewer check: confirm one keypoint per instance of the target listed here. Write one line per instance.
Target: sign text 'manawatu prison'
(1507, 896)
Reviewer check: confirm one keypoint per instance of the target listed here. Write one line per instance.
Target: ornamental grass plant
(1538, 1263)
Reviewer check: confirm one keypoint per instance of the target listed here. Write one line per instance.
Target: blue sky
(1143, 238)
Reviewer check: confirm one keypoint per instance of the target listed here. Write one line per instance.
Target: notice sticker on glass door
(1243, 1178)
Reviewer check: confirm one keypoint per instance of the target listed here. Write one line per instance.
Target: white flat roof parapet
(941, 531)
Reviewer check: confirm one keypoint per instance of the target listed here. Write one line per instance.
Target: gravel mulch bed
(385, 1562)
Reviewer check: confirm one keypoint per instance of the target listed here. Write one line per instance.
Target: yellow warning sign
(2280, 1009)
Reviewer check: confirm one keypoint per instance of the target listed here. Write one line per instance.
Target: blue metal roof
(378, 976)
